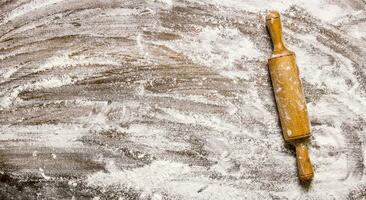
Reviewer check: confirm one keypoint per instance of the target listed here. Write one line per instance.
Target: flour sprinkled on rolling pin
(289, 95)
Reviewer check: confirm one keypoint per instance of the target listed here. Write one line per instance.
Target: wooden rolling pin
(289, 95)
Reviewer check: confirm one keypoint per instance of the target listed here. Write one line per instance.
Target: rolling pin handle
(275, 29)
(305, 168)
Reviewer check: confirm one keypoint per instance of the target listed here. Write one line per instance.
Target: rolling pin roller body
(289, 97)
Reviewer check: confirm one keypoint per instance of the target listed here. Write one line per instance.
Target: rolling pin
(289, 95)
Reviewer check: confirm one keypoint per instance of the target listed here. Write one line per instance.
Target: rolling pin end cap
(272, 15)
(306, 178)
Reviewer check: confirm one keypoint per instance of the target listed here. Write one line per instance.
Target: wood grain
(172, 99)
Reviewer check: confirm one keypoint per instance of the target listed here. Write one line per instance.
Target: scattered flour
(7, 73)
(43, 174)
(32, 6)
(148, 179)
(221, 49)
(47, 135)
(7, 98)
(169, 3)
(65, 61)
(320, 9)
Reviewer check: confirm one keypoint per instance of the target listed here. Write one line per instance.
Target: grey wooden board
(171, 99)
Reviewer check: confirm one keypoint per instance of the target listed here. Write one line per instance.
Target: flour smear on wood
(171, 99)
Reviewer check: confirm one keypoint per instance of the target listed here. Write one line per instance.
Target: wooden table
(171, 99)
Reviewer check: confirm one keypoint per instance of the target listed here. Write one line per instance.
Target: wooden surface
(171, 99)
